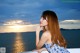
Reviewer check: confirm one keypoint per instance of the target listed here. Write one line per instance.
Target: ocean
(25, 41)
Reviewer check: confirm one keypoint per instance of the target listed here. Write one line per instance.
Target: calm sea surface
(25, 41)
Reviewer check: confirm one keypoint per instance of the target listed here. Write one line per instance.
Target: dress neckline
(48, 43)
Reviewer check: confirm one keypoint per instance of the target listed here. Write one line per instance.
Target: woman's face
(43, 22)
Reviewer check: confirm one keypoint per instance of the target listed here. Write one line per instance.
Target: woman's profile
(52, 38)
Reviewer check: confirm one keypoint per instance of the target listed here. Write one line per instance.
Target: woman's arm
(37, 35)
(43, 49)
(40, 43)
(40, 50)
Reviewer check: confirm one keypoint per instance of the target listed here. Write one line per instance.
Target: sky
(30, 10)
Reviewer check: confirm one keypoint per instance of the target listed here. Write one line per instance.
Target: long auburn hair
(53, 27)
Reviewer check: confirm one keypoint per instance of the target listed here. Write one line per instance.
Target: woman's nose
(40, 20)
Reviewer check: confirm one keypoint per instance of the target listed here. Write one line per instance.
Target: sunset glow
(16, 22)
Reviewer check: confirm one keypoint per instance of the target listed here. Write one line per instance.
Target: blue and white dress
(55, 48)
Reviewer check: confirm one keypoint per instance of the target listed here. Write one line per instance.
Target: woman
(52, 38)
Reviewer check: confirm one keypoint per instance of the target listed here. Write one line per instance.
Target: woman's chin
(40, 25)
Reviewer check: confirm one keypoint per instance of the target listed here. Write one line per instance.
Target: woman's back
(48, 37)
(53, 48)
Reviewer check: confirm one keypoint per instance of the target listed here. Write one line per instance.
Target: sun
(16, 25)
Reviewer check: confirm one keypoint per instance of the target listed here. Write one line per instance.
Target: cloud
(20, 3)
(16, 22)
(18, 28)
(70, 24)
(30, 10)
(70, 21)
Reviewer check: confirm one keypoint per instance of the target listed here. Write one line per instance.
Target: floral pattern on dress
(56, 48)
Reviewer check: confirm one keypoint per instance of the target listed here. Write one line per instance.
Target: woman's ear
(46, 18)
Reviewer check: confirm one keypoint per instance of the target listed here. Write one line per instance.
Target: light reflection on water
(18, 45)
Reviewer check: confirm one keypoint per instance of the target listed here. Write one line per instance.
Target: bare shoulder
(47, 34)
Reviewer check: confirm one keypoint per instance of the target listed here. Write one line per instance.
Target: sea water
(25, 41)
